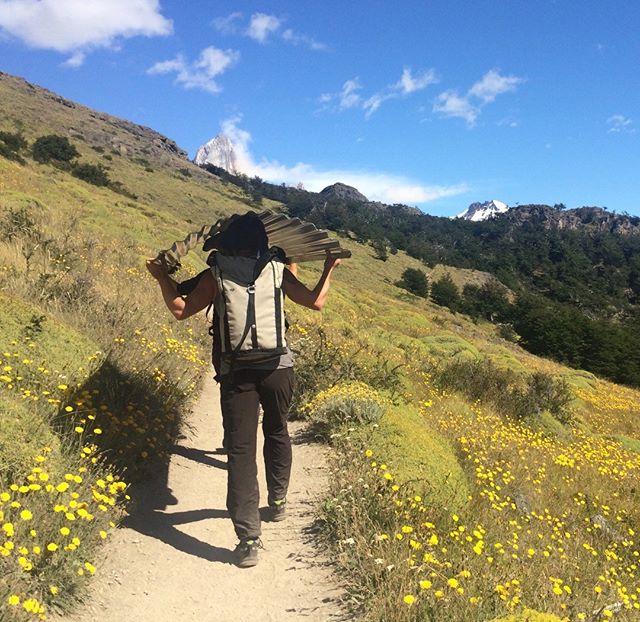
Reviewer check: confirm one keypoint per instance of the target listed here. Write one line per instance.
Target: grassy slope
(365, 304)
(169, 204)
(51, 346)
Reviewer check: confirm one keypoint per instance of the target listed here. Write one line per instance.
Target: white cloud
(200, 74)
(262, 26)
(618, 123)
(213, 61)
(75, 60)
(376, 185)
(493, 84)
(296, 38)
(347, 97)
(508, 122)
(77, 26)
(406, 85)
(374, 102)
(450, 104)
(409, 84)
(227, 25)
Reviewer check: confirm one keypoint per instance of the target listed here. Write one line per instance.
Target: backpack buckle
(251, 289)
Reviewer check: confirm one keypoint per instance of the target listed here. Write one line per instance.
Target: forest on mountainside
(577, 289)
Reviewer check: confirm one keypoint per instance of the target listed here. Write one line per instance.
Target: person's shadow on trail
(202, 456)
(148, 516)
(162, 526)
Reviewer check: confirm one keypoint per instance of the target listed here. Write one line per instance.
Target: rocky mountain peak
(342, 192)
(218, 151)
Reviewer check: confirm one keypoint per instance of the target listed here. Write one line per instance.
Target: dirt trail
(175, 563)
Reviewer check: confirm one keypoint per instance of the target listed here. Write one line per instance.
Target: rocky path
(173, 562)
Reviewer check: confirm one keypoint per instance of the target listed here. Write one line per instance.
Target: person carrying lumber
(246, 284)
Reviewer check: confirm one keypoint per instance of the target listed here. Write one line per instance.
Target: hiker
(246, 275)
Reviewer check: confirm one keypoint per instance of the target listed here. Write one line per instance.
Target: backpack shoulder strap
(274, 253)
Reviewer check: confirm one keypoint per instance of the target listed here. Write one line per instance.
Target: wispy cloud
(508, 122)
(409, 83)
(468, 107)
(75, 60)
(295, 38)
(406, 85)
(201, 73)
(493, 84)
(451, 104)
(228, 25)
(619, 124)
(263, 28)
(69, 26)
(347, 97)
(376, 185)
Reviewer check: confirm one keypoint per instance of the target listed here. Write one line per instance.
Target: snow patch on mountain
(482, 211)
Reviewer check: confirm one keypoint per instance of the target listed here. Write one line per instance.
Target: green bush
(549, 393)
(19, 223)
(322, 363)
(11, 145)
(507, 333)
(445, 293)
(513, 394)
(414, 281)
(488, 301)
(348, 404)
(53, 147)
(92, 174)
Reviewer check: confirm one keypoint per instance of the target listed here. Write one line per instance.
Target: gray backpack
(249, 322)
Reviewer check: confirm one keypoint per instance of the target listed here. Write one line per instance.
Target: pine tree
(445, 293)
(415, 281)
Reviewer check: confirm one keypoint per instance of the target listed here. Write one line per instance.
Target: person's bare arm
(311, 298)
(196, 301)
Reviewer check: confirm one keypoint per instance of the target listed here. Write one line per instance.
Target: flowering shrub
(322, 362)
(529, 615)
(345, 404)
(550, 524)
(93, 390)
(51, 524)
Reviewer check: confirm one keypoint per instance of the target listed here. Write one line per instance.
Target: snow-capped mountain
(482, 211)
(219, 152)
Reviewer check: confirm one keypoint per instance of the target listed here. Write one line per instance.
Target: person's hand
(331, 262)
(157, 268)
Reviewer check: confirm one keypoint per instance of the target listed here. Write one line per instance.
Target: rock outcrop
(594, 218)
(115, 134)
(342, 192)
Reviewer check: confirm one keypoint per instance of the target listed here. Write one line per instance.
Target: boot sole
(247, 563)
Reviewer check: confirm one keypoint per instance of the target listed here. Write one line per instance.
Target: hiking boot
(278, 510)
(247, 552)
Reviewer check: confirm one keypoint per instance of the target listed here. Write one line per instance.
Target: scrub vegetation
(472, 480)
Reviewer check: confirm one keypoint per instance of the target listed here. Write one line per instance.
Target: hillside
(575, 273)
(470, 479)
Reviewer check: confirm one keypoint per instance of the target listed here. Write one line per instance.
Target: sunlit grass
(443, 509)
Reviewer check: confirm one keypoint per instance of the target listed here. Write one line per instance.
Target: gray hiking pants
(240, 394)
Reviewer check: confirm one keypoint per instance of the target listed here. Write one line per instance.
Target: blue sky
(429, 103)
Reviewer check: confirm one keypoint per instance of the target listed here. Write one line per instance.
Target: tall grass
(82, 417)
